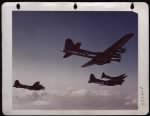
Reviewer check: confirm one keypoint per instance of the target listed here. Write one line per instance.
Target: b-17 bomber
(35, 86)
(111, 81)
(113, 53)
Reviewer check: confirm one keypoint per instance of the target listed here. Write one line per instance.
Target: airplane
(113, 81)
(122, 76)
(113, 53)
(35, 86)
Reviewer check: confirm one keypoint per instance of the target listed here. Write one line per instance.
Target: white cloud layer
(71, 98)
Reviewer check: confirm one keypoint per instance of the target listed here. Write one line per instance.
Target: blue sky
(38, 37)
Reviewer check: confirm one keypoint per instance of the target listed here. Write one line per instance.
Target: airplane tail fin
(103, 75)
(68, 46)
(36, 83)
(92, 78)
(16, 83)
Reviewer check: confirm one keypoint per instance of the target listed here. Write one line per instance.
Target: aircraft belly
(100, 60)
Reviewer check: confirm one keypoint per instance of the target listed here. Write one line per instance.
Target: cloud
(23, 97)
(131, 101)
(72, 98)
(79, 92)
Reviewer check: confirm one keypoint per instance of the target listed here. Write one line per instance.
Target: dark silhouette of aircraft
(113, 53)
(112, 81)
(35, 86)
(120, 77)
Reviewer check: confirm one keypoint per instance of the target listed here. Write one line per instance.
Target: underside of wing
(118, 45)
(88, 63)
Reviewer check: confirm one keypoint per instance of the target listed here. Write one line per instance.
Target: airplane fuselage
(108, 83)
(30, 87)
(113, 53)
(81, 52)
(121, 77)
(113, 83)
(99, 58)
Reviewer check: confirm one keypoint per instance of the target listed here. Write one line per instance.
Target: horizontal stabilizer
(67, 55)
(88, 64)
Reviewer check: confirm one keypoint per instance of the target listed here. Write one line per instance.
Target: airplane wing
(118, 45)
(108, 53)
(91, 62)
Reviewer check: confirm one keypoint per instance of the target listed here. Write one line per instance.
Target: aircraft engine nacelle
(116, 56)
(117, 60)
(122, 50)
(108, 61)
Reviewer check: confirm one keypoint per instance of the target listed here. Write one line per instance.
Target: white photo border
(141, 8)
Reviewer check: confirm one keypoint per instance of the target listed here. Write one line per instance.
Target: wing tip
(130, 34)
(83, 66)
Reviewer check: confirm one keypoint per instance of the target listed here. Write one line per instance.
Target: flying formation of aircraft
(113, 53)
(111, 81)
(35, 86)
